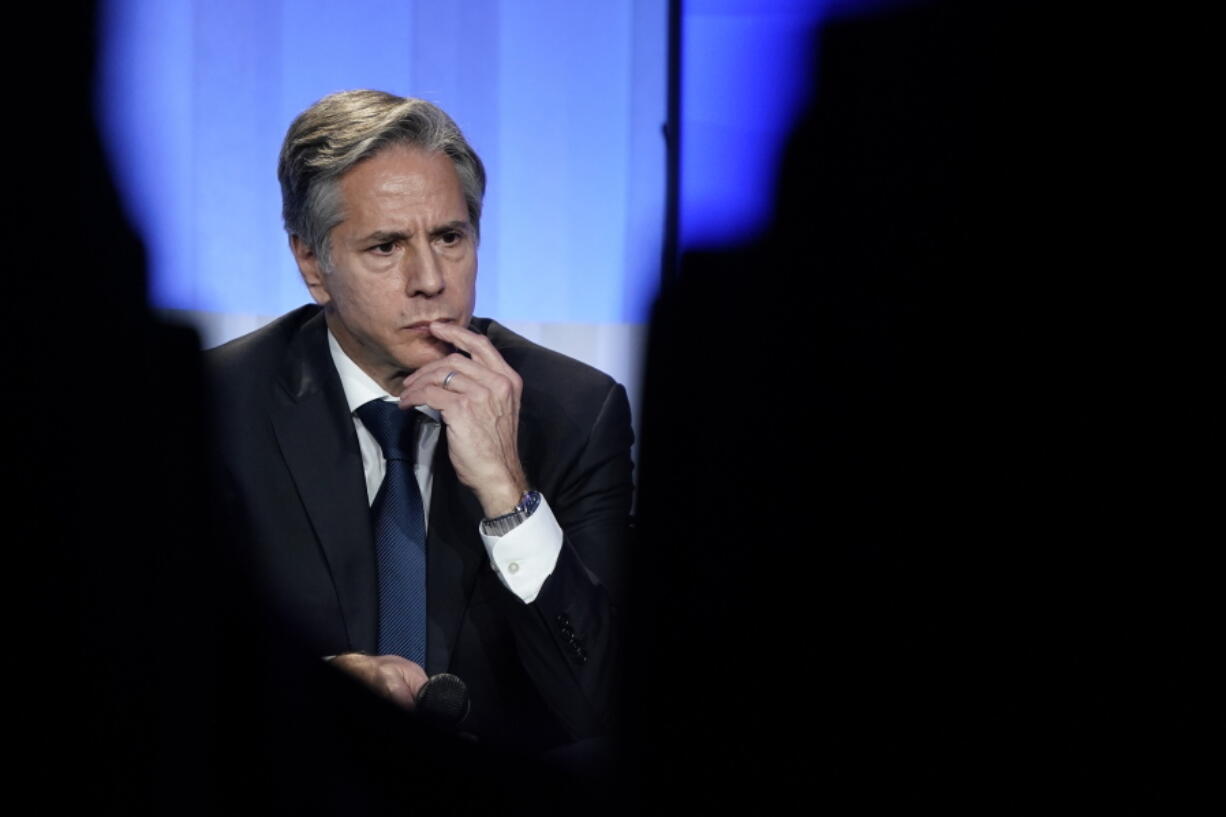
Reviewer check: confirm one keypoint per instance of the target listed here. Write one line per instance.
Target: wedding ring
(447, 379)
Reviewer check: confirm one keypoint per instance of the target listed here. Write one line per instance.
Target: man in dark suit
(505, 501)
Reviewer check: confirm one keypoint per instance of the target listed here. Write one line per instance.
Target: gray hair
(340, 130)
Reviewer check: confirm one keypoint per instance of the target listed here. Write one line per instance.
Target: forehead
(404, 181)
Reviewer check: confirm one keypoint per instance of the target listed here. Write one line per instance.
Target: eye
(384, 249)
(451, 238)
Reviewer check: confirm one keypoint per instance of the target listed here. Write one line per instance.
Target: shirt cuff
(525, 557)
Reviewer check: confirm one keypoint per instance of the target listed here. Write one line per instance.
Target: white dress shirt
(523, 558)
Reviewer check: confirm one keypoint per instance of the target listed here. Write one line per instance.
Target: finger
(392, 684)
(481, 385)
(436, 370)
(487, 366)
(415, 676)
(401, 679)
(394, 687)
(476, 345)
(466, 377)
(453, 381)
(355, 664)
(436, 397)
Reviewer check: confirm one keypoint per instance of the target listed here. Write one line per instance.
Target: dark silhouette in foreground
(904, 540)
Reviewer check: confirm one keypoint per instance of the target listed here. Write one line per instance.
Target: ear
(312, 271)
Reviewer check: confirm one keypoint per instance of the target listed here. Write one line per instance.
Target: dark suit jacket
(539, 674)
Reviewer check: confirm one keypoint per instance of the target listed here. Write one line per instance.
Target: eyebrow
(453, 226)
(383, 237)
(386, 236)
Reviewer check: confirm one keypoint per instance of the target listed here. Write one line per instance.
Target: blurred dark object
(906, 532)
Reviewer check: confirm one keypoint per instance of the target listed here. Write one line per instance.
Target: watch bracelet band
(502, 525)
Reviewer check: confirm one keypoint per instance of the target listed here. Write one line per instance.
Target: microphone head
(443, 700)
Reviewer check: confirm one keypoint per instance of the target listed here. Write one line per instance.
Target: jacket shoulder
(532, 360)
(561, 395)
(259, 351)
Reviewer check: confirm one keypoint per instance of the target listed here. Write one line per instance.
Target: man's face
(404, 255)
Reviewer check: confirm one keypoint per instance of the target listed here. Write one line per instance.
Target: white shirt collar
(359, 387)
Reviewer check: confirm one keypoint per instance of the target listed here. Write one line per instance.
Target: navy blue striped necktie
(400, 534)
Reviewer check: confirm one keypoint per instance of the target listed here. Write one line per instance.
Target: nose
(423, 274)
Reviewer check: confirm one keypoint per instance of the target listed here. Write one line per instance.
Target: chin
(427, 351)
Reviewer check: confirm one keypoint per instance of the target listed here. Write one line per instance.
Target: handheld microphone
(443, 700)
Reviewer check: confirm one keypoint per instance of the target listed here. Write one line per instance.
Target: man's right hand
(391, 676)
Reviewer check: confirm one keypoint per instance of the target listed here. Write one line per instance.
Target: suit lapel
(454, 557)
(317, 439)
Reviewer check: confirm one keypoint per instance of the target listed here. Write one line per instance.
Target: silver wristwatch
(502, 525)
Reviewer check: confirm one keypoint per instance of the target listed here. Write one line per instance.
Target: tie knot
(391, 427)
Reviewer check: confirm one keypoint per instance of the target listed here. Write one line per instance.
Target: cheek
(466, 285)
(365, 311)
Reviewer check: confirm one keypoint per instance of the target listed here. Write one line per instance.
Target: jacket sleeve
(567, 639)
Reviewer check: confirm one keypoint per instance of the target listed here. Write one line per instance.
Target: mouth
(423, 327)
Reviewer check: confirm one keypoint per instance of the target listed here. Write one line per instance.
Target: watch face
(529, 502)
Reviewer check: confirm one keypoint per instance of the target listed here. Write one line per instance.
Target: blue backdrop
(745, 77)
(564, 99)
